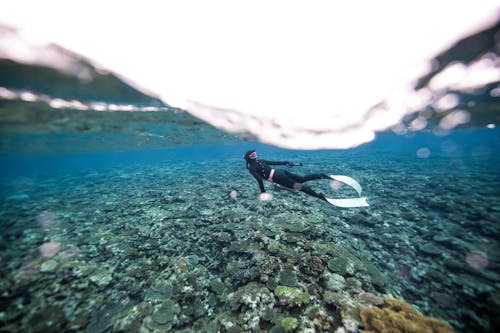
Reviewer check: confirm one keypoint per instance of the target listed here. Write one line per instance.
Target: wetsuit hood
(250, 155)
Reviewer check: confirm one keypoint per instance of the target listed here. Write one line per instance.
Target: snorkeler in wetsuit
(261, 170)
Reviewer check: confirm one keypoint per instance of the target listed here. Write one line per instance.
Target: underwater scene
(122, 213)
(177, 239)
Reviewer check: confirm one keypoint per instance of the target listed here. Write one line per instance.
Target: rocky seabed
(144, 249)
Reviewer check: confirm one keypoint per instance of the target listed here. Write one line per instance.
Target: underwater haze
(121, 213)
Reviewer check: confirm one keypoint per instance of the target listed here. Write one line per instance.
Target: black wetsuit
(261, 170)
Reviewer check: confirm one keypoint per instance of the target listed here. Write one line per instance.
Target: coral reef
(135, 249)
(399, 316)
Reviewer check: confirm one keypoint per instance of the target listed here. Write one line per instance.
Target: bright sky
(313, 64)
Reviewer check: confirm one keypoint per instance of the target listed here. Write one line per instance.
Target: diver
(261, 170)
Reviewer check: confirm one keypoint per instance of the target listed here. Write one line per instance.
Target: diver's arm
(276, 162)
(259, 180)
(261, 185)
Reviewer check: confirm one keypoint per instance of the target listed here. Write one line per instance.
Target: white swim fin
(349, 203)
(349, 181)
(352, 202)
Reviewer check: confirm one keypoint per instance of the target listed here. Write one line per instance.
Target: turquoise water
(176, 239)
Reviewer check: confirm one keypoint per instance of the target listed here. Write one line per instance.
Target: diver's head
(250, 155)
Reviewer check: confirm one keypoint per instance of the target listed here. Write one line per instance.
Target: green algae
(289, 323)
(293, 294)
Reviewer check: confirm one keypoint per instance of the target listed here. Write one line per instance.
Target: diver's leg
(292, 181)
(284, 178)
(304, 188)
(303, 179)
(315, 176)
(308, 190)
